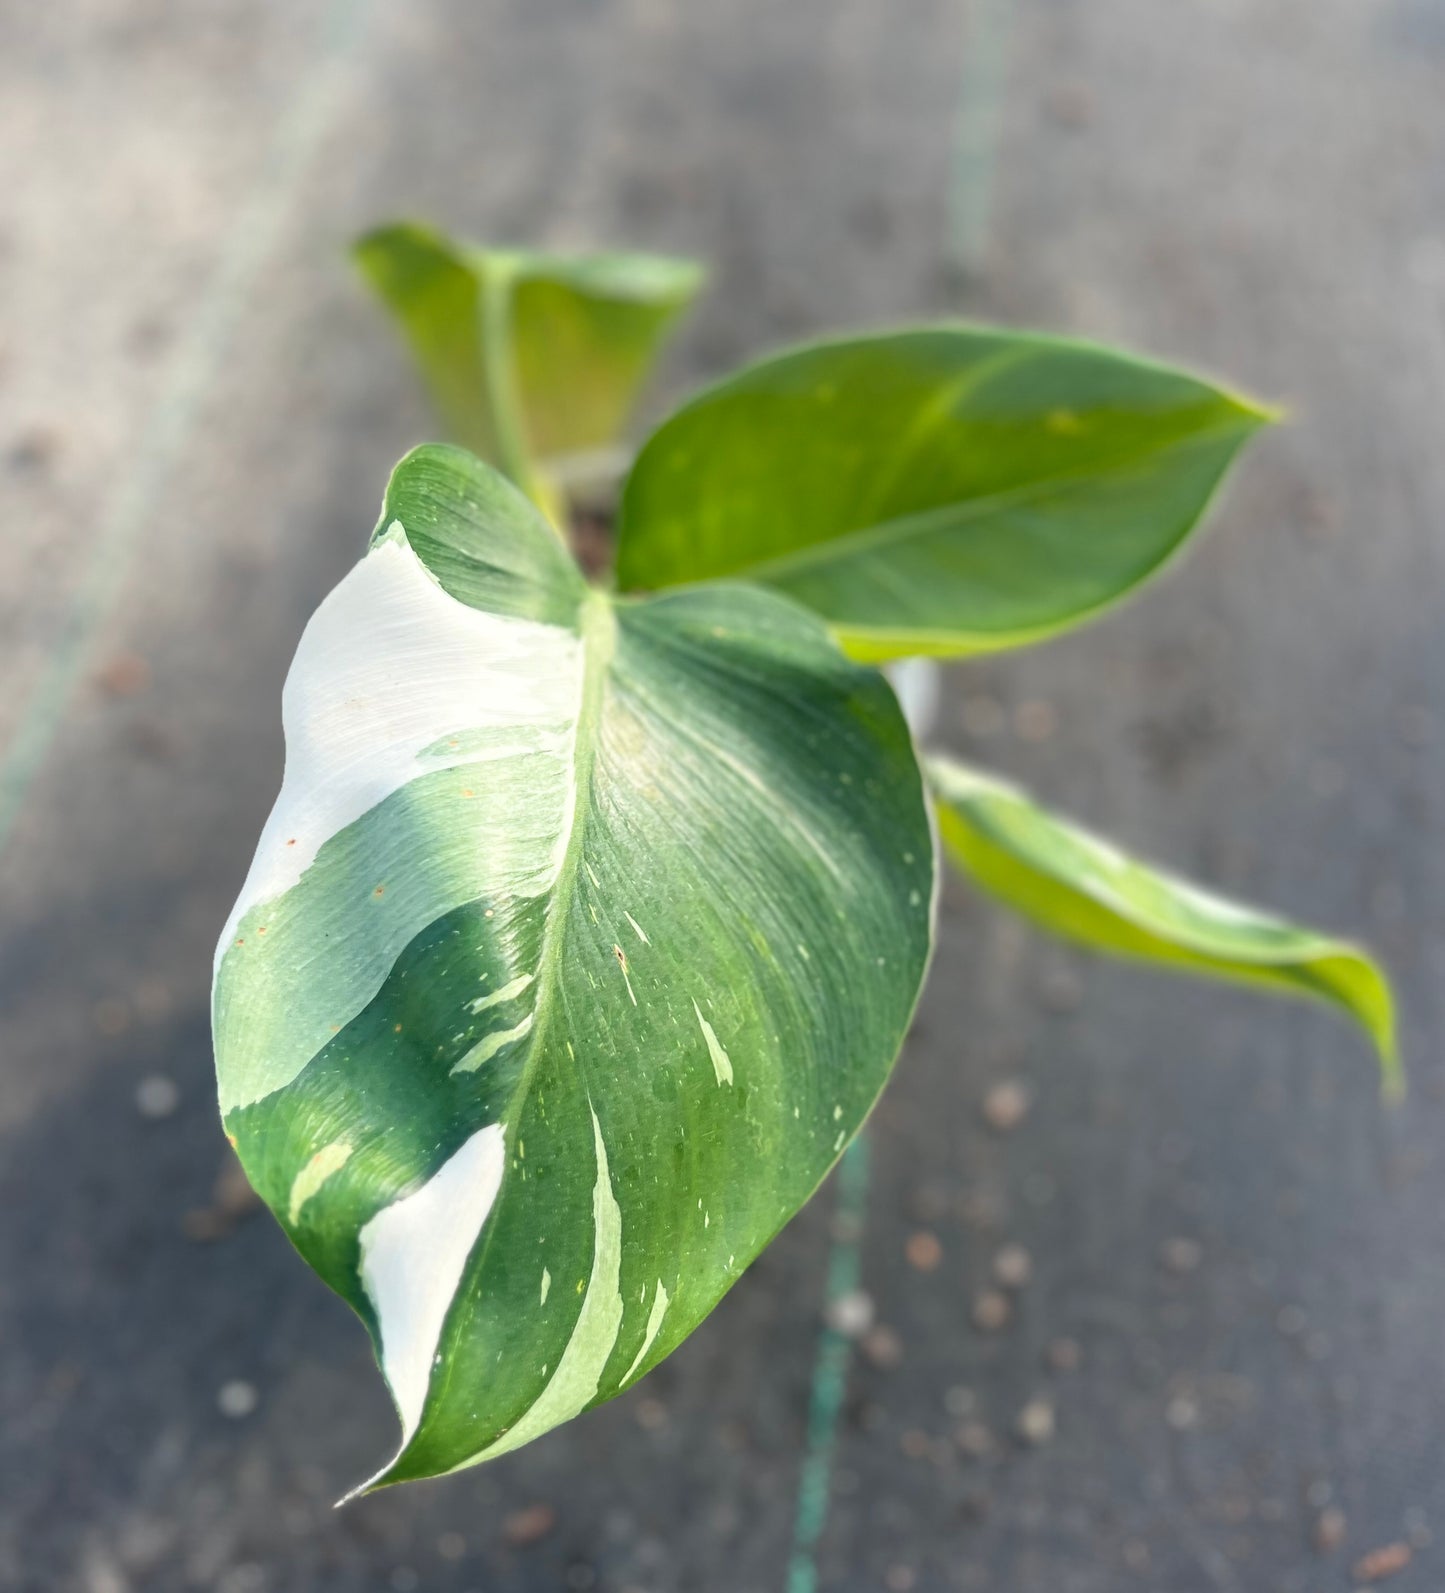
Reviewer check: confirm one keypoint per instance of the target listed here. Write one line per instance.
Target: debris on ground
(1064, 1355)
(237, 1399)
(1329, 1533)
(1036, 1422)
(232, 1199)
(974, 1439)
(1012, 1267)
(883, 1347)
(851, 1314)
(530, 1525)
(1006, 1105)
(991, 1311)
(156, 1096)
(1181, 1256)
(1385, 1561)
(923, 1251)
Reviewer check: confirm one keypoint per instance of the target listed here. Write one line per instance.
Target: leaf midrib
(597, 622)
(597, 625)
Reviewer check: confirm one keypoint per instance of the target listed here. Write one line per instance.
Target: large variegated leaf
(580, 941)
(944, 491)
(529, 356)
(1077, 885)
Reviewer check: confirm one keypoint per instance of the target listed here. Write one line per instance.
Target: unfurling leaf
(1079, 886)
(530, 357)
(581, 939)
(945, 491)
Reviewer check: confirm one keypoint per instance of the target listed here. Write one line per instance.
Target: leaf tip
(1262, 413)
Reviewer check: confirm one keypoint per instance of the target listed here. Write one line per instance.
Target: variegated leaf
(581, 939)
(1076, 885)
(942, 491)
(532, 358)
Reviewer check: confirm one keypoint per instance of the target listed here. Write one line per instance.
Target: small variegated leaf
(581, 939)
(943, 491)
(530, 357)
(1074, 884)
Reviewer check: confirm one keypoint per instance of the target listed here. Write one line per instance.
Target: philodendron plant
(591, 917)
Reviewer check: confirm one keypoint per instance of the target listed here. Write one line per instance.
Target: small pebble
(651, 1415)
(1065, 1355)
(1035, 720)
(991, 1311)
(451, 1545)
(1181, 1256)
(1382, 1562)
(960, 1401)
(156, 1096)
(1329, 1531)
(124, 675)
(1006, 1106)
(1291, 1321)
(1182, 1413)
(883, 1347)
(915, 1443)
(923, 1251)
(1036, 1422)
(1013, 1267)
(528, 1525)
(900, 1578)
(111, 1016)
(851, 1314)
(237, 1399)
(974, 1439)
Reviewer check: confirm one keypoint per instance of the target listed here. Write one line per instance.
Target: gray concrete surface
(197, 412)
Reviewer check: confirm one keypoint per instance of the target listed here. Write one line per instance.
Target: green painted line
(172, 421)
(977, 134)
(830, 1371)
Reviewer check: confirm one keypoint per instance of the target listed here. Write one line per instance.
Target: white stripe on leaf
(573, 1386)
(413, 1253)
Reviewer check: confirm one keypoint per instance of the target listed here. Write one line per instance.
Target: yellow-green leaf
(944, 491)
(1076, 885)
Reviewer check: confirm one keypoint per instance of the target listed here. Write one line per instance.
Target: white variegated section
(573, 1386)
(391, 670)
(721, 1063)
(413, 1254)
(388, 666)
(488, 1046)
(654, 1324)
(328, 1160)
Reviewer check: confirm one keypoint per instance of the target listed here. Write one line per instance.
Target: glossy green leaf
(529, 356)
(581, 939)
(945, 491)
(1076, 885)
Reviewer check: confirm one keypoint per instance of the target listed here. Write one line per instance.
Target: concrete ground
(1226, 1370)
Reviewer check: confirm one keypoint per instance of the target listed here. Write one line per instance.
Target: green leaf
(528, 356)
(1084, 888)
(583, 935)
(944, 491)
